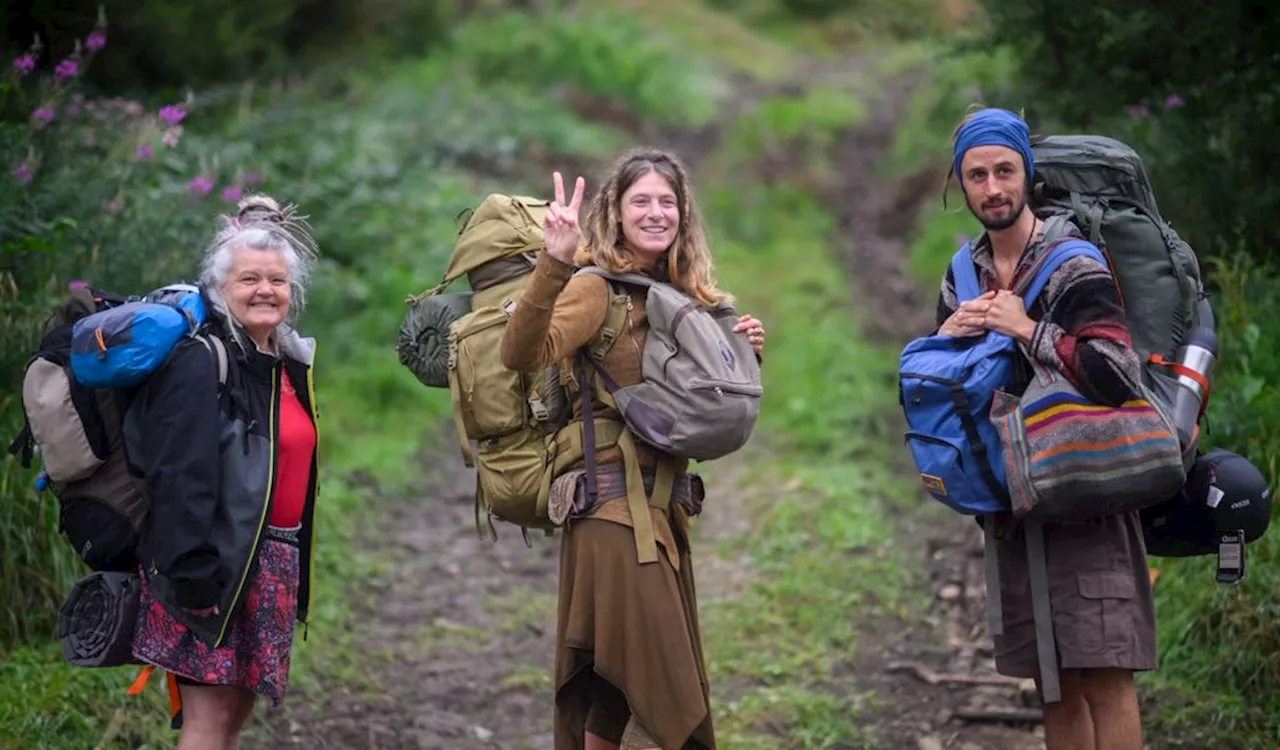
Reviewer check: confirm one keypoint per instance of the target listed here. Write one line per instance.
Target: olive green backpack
(453, 340)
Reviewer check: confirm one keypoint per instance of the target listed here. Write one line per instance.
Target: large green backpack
(516, 420)
(1101, 184)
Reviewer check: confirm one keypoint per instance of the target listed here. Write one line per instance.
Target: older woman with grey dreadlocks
(230, 468)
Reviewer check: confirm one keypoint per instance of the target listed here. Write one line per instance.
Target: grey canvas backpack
(699, 396)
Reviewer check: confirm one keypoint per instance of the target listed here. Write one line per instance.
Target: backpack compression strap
(1037, 570)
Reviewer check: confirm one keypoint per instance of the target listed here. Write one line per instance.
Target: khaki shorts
(1099, 592)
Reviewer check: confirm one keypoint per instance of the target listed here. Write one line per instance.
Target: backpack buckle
(540, 411)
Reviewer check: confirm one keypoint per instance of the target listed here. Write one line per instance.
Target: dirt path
(460, 635)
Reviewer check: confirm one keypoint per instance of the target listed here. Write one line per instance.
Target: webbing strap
(455, 394)
(979, 448)
(637, 503)
(480, 506)
(995, 608)
(1187, 372)
(171, 683)
(1042, 612)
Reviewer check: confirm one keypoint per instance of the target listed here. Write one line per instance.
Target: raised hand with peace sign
(561, 224)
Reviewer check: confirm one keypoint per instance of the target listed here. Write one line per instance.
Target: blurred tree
(1192, 84)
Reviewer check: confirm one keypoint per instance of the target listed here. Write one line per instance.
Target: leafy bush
(1188, 83)
(173, 43)
(1209, 634)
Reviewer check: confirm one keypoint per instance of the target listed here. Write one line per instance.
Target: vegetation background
(126, 128)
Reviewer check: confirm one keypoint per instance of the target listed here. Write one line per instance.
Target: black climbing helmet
(1224, 493)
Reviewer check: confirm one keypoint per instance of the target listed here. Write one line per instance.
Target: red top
(297, 444)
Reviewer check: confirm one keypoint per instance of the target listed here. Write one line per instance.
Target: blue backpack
(946, 385)
(120, 346)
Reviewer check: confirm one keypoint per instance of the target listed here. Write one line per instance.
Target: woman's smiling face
(650, 213)
(257, 290)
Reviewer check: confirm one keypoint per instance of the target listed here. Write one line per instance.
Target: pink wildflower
(144, 152)
(95, 41)
(66, 69)
(172, 114)
(200, 185)
(1173, 101)
(21, 173)
(251, 179)
(232, 194)
(1136, 111)
(43, 114)
(25, 64)
(170, 137)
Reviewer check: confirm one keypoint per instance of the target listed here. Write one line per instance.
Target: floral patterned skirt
(255, 652)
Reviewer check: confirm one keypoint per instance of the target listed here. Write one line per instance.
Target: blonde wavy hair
(688, 260)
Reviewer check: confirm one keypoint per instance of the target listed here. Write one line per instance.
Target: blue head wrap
(994, 127)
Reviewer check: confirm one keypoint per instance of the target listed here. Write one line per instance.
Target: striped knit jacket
(1080, 324)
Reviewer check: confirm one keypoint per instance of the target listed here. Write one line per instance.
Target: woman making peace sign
(629, 666)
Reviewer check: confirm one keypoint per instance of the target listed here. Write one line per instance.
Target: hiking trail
(459, 636)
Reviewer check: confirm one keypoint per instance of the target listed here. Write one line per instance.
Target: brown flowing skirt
(627, 630)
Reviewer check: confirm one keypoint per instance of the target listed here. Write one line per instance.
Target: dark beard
(999, 225)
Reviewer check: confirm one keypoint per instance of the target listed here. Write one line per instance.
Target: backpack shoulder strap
(625, 278)
(966, 274)
(1061, 252)
(219, 350)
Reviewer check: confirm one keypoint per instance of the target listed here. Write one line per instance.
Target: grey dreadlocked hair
(689, 264)
(260, 223)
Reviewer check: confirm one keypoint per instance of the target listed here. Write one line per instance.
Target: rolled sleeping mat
(423, 341)
(96, 622)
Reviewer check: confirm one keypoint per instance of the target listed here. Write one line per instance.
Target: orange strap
(175, 696)
(1181, 369)
(175, 699)
(141, 681)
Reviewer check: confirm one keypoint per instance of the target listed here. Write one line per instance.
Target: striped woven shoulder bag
(1067, 458)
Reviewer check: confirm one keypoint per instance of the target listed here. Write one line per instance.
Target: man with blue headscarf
(1102, 627)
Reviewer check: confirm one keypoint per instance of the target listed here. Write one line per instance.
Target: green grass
(820, 497)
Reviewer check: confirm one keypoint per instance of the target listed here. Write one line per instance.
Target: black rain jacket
(207, 455)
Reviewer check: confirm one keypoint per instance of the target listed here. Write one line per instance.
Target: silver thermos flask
(1198, 354)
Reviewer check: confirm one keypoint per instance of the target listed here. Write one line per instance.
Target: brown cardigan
(557, 315)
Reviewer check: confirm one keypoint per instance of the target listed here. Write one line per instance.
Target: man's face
(995, 185)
